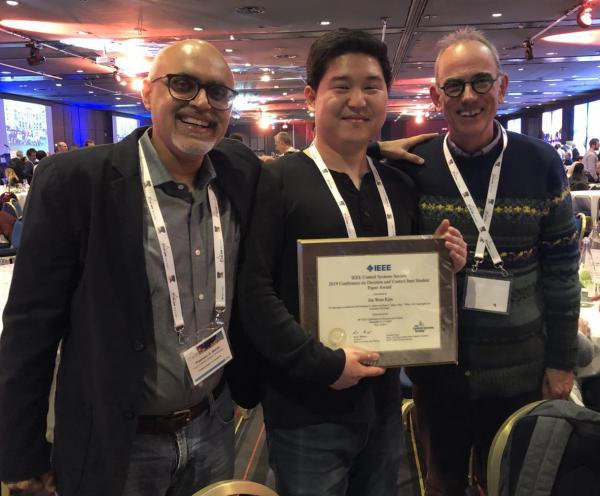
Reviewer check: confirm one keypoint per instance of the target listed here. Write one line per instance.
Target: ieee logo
(379, 268)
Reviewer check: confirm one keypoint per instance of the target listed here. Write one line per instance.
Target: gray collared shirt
(486, 149)
(167, 383)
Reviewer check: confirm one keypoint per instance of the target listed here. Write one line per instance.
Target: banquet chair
(416, 465)
(581, 223)
(234, 487)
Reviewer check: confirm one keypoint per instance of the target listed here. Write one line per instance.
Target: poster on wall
(27, 125)
(123, 126)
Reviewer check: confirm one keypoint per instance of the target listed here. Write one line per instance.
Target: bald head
(183, 55)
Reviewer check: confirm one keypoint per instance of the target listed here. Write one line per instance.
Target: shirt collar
(159, 173)
(486, 149)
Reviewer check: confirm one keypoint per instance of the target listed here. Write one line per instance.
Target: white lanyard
(482, 224)
(387, 207)
(167, 253)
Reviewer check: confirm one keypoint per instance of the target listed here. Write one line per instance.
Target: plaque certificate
(393, 295)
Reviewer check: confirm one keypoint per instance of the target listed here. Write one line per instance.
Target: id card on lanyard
(201, 360)
(485, 291)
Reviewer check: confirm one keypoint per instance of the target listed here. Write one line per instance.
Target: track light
(35, 55)
(584, 14)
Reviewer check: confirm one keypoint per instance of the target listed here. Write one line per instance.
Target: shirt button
(138, 346)
(197, 253)
(180, 186)
(201, 297)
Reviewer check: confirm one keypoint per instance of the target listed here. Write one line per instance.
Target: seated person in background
(568, 160)
(11, 177)
(578, 180)
(283, 144)
(237, 136)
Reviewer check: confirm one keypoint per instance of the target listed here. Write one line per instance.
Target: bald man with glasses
(128, 258)
(518, 296)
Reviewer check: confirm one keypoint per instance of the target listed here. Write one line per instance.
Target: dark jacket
(80, 277)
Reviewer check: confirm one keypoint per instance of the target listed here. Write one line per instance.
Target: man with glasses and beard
(128, 259)
(518, 296)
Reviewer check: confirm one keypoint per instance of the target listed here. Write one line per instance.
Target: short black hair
(40, 154)
(593, 141)
(340, 42)
(30, 151)
(237, 137)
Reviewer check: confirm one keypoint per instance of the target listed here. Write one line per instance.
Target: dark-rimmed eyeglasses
(480, 84)
(185, 88)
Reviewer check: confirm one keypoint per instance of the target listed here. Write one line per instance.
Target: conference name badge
(487, 291)
(207, 356)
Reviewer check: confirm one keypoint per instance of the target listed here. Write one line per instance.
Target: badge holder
(487, 290)
(207, 354)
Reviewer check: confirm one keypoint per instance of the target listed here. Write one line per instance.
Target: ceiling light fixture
(229, 50)
(12, 3)
(584, 14)
(79, 71)
(265, 78)
(496, 14)
(198, 28)
(325, 23)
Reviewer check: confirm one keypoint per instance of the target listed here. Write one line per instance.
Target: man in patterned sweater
(527, 350)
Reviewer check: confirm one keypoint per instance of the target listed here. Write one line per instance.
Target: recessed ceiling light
(248, 64)
(5, 72)
(231, 37)
(58, 84)
(552, 84)
(91, 92)
(198, 28)
(79, 71)
(551, 53)
(276, 86)
(12, 3)
(82, 33)
(325, 23)
(497, 14)
(229, 50)
(521, 69)
(117, 98)
(284, 93)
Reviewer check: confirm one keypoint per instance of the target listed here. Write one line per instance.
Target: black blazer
(80, 276)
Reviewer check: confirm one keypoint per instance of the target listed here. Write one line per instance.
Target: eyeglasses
(480, 84)
(185, 88)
